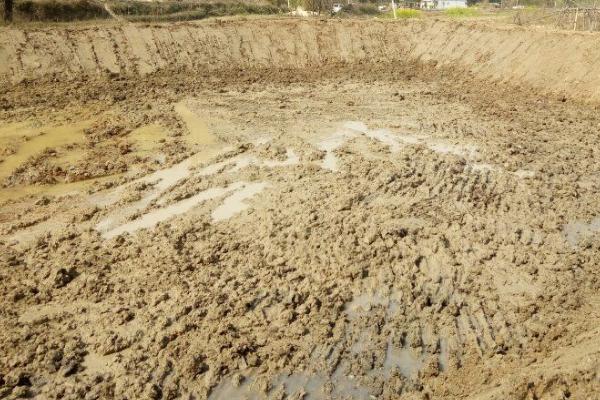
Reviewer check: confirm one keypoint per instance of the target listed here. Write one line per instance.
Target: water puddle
(161, 181)
(386, 138)
(404, 360)
(231, 389)
(444, 355)
(163, 214)
(345, 387)
(29, 141)
(32, 141)
(364, 303)
(291, 159)
(94, 364)
(57, 189)
(197, 127)
(329, 146)
(300, 385)
(147, 139)
(395, 143)
(524, 173)
(231, 206)
(236, 202)
(407, 361)
(574, 231)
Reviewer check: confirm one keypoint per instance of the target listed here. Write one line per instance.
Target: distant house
(427, 4)
(443, 4)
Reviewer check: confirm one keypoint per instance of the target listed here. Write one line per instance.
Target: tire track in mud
(389, 277)
(472, 331)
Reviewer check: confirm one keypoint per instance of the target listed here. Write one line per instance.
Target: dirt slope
(553, 61)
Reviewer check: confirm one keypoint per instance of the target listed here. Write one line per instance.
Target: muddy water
(32, 141)
(329, 146)
(57, 189)
(161, 180)
(29, 139)
(232, 205)
(147, 139)
(20, 142)
(237, 201)
(197, 127)
(406, 360)
(162, 214)
(299, 385)
(364, 302)
(94, 364)
(575, 231)
(395, 142)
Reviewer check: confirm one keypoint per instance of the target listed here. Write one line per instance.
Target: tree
(8, 10)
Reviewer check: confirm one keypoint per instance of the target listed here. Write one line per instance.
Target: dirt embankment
(557, 62)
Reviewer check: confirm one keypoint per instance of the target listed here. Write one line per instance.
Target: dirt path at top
(359, 230)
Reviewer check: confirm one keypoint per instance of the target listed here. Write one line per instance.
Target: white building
(443, 4)
(427, 4)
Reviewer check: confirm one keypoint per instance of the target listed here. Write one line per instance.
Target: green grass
(404, 13)
(461, 12)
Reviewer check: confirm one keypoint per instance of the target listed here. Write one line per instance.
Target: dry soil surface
(347, 231)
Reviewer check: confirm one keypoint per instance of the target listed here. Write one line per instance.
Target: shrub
(461, 12)
(59, 10)
(407, 13)
(404, 13)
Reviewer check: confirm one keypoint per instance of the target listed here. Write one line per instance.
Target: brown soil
(337, 217)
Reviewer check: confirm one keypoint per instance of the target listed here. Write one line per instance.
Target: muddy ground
(355, 231)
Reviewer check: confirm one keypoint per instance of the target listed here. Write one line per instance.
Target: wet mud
(376, 231)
